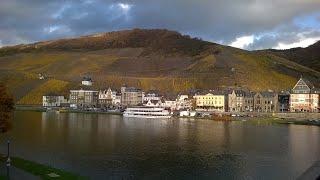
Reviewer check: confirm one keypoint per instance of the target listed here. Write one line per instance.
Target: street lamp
(8, 162)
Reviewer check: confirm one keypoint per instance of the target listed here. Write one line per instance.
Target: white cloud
(51, 29)
(124, 7)
(0, 43)
(56, 29)
(242, 42)
(121, 10)
(301, 43)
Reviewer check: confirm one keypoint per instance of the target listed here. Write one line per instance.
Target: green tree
(6, 109)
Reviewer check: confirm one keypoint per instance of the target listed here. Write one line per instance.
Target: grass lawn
(40, 170)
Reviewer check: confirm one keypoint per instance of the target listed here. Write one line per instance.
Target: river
(103, 146)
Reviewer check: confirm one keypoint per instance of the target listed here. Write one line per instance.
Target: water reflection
(109, 146)
(304, 143)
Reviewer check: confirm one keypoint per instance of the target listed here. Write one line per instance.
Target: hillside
(309, 56)
(150, 59)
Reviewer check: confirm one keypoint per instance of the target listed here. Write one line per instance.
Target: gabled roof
(267, 94)
(304, 84)
(239, 92)
(308, 83)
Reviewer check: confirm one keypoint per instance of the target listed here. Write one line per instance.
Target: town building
(84, 98)
(236, 101)
(54, 100)
(86, 81)
(131, 96)
(106, 97)
(151, 95)
(249, 101)
(117, 100)
(213, 101)
(153, 103)
(304, 97)
(283, 101)
(183, 102)
(170, 104)
(265, 101)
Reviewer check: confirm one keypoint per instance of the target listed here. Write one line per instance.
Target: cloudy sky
(248, 24)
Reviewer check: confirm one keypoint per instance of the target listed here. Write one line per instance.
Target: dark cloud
(270, 21)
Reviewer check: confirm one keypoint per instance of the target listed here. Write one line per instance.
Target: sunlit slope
(159, 60)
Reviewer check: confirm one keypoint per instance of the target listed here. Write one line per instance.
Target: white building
(53, 100)
(86, 81)
(170, 104)
(153, 103)
(109, 97)
(304, 97)
(151, 95)
(183, 102)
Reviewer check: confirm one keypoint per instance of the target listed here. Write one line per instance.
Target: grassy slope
(35, 96)
(308, 56)
(169, 69)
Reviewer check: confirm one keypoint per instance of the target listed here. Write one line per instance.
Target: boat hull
(147, 113)
(146, 117)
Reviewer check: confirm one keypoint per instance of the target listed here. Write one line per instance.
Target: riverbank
(66, 110)
(40, 170)
(255, 117)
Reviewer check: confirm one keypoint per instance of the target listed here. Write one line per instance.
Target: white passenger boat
(147, 112)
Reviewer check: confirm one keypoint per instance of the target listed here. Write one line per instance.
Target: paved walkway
(313, 173)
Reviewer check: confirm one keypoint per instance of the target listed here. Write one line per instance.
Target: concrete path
(313, 173)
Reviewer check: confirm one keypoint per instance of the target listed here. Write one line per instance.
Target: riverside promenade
(313, 173)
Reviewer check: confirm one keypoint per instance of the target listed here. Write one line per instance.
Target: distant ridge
(309, 56)
(155, 40)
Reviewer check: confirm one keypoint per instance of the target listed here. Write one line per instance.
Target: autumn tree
(6, 109)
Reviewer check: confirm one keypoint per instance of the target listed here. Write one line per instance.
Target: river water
(103, 146)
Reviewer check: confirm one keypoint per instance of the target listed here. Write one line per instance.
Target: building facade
(265, 102)
(131, 96)
(83, 98)
(249, 101)
(86, 81)
(170, 104)
(283, 101)
(210, 102)
(53, 100)
(236, 101)
(151, 96)
(117, 100)
(107, 97)
(304, 97)
(183, 102)
(153, 103)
